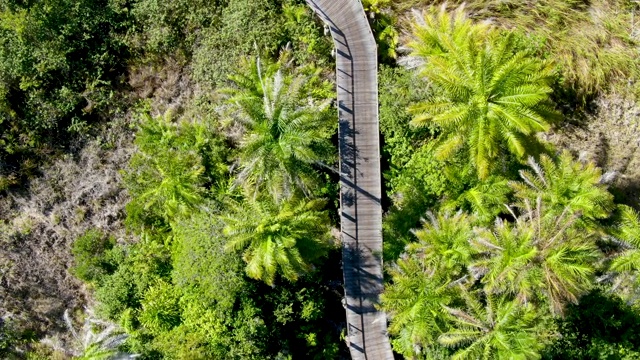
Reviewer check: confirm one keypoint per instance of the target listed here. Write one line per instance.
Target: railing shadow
(360, 281)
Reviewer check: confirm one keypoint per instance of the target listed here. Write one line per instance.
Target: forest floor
(610, 137)
(73, 193)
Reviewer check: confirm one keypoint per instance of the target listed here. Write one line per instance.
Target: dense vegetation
(519, 237)
(169, 188)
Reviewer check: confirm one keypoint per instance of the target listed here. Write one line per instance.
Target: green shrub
(301, 28)
(160, 308)
(139, 267)
(202, 268)
(60, 62)
(414, 180)
(91, 253)
(117, 293)
(245, 26)
(185, 344)
(383, 26)
(398, 89)
(167, 26)
(11, 339)
(601, 326)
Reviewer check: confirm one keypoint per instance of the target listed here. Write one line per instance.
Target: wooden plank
(360, 185)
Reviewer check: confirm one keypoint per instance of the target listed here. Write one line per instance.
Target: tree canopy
(170, 189)
(491, 96)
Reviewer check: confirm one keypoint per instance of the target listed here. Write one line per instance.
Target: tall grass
(590, 41)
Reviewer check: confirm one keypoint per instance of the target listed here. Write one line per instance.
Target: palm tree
(97, 339)
(286, 131)
(627, 262)
(565, 184)
(500, 329)
(277, 238)
(422, 278)
(176, 183)
(414, 302)
(166, 174)
(443, 243)
(488, 96)
(628, 232)
(539, 258)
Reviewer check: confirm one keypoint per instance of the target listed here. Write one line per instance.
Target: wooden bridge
(360, 179)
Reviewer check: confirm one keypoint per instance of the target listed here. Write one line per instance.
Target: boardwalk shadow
(360, 282)
(348, 163)
(348, 149)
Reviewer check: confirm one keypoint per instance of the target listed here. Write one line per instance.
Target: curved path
(360, 188)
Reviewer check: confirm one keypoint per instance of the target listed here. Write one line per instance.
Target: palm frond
(277, 238)
(493, 96)
(284, 127)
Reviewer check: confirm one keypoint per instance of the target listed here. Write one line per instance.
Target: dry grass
(591, 41)
(39, 224)
(166, 83)
(609, 137)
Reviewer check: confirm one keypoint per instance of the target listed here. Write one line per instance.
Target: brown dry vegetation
(609, 136)
(73, 194)
(165, 83)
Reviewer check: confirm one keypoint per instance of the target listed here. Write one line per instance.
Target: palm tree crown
(628, 232)
(489, 96)
(444, 243)
(501, 329)
(166, 174)
(414, 303)
(422, 278)
(626, 264)
(565, 184)
(286, 131)
(282, 238)
(540, 258)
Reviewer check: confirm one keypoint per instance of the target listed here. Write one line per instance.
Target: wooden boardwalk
(360, 178)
